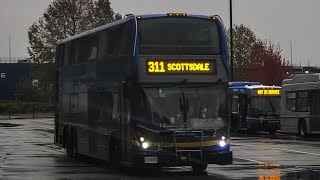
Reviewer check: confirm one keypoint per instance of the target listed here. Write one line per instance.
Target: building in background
(305, 69)
(12, 72)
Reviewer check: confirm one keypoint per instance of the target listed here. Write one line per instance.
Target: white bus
(300, 104)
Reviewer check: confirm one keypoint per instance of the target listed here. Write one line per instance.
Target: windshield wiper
(273, 109)
(184, 107)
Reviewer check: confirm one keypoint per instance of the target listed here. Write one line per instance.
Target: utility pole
(291, 51)
(9, 48)
(231, 42)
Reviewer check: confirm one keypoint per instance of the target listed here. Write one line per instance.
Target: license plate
(151, 160)
(184, 158)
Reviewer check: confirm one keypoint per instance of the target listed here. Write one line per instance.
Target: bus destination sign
(164, 67)
(268, 92)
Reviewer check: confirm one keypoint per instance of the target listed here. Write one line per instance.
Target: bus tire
(302, 129)
(114, 153)
(199, 168)
(272, 131)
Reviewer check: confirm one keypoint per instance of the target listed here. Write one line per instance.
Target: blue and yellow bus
(149, 90)
(255, 107)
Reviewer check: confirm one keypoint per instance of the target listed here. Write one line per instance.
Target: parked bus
(300, 104)
(146, 91)
(255, 107)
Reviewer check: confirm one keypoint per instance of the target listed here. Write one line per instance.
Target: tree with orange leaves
(267, 65)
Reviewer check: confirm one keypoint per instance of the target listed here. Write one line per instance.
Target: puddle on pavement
(274, 171)
(9, 125)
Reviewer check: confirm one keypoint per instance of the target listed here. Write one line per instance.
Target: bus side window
(60, 55)
(114, 41)
(86, 48)
(93, 48)
(291, 101)
(74, 103)
(125, 39)
(105, 105)
(115, 109)
(102, 45)
(303, 102)
(67, 54)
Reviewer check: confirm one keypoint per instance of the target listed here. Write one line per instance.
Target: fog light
(141, 139)
(145, 145)
(222, 143)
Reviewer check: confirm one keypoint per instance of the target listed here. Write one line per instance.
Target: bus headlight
(145, 145)
(222, 142)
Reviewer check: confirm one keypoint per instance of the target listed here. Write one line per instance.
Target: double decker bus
(255, 107)
(146, 91)
(300, 104)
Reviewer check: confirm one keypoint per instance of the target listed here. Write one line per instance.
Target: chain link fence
(25, 110)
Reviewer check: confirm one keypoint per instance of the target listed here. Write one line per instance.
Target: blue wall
(14, 72)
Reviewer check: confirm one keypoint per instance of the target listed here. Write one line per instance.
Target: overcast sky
(277, 20)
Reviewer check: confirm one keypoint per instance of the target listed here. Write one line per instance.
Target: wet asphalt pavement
(27, 152)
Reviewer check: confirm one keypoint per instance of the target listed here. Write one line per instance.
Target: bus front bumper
(171, 159)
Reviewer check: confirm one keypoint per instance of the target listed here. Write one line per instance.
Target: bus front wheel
(302, 129)
(199, 168)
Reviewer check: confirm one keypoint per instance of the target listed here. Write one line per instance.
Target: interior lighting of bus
(176, 67)
(268, 92)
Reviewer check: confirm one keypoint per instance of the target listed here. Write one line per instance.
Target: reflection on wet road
(27, 152)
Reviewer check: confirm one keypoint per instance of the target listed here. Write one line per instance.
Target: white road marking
(301, 152)
(252, 160)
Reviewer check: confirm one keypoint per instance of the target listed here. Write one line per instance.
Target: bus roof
(247, 87)
(302, 78)
(146, 16)
(115, 23)
(91, 31)
(243, 83)
(302, 82)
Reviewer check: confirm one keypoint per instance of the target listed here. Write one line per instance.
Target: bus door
(315, 111)
(235, 112)
(239, 111)
(124, 125)
(244, 102)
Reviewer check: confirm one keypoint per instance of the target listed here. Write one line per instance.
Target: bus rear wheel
(302, 129)
(199, 168)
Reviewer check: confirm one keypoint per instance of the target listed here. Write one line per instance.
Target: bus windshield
(173, 107)
(264, 105)
(179, 36)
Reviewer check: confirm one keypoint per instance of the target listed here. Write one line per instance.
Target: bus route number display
(158, 67)
(268, 92)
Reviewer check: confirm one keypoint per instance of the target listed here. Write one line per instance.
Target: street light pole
(9, 48)
(231, 42)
